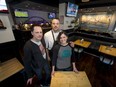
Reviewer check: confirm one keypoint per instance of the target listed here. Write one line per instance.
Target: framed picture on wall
(61, 19)
(96, 21)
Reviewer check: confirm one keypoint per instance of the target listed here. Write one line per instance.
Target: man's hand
(29, 81)
(75, 70)
(53, 73)
(72, 44)
(49, 59)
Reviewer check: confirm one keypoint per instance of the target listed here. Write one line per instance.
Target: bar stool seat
(107, 60)
(78, 51)
(104, 64)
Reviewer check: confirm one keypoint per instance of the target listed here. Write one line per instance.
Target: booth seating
(105, 64)
(95, 39)
(107, 54)
(81, 44)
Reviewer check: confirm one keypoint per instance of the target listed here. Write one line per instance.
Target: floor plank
(99, 74)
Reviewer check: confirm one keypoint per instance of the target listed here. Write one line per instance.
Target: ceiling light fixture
(85, 0)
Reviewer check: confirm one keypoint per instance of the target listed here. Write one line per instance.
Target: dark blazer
(33, 57)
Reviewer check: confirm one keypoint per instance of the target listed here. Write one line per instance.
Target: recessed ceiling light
(85, 0)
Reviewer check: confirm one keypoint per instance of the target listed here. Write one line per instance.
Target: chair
(108, 61)
(78, 50)
(105, 64)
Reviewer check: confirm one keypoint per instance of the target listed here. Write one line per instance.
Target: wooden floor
(99, 74)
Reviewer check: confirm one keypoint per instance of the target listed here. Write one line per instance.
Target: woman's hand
(75, 70)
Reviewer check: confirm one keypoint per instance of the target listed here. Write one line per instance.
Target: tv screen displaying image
(21, 13)
(3, 7)
(71, 10)
(51, 15)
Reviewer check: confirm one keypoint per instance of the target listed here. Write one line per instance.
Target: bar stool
(78, 50)
(105, 64)
(106, 60)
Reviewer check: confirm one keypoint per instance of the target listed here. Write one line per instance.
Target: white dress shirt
(49, 38)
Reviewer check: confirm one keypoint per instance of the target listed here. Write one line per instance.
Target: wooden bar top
(82, 44)
(70, 79)
(110, 51)
(10, 67)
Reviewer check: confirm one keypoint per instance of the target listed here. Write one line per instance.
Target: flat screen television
(51, 15)
(3, 7)
(115, 29)
(21, 13)
(71, 10)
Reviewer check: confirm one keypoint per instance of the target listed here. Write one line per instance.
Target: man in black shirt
(35, 56)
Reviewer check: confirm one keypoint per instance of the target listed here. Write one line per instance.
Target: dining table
(107, 50)
(82, 43)
(70, 79)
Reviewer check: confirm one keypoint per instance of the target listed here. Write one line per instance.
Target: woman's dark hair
(58, 38)
(32, 27)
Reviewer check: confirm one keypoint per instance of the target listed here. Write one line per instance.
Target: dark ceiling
(55, 3)
(96, 3)
(91, 3)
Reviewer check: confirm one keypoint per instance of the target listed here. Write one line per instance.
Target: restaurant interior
(92, 28)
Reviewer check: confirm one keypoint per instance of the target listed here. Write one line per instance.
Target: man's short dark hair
(53, 19)
(32, 27)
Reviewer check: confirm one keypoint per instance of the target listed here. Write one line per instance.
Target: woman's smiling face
(63, 39)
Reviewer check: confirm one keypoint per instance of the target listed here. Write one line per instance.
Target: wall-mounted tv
(71, 9)
(3, 7)
(115, 29)
(21, 13)
(51, 15)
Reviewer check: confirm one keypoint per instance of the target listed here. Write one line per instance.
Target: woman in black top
(63, 56)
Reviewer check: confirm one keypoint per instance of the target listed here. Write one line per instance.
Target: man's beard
(56, 30)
